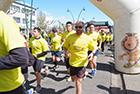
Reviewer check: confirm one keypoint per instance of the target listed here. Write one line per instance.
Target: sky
(57, 10)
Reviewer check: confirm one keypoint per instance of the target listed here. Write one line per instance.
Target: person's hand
(99, 47)
(67, 54)
(60, 47)
(35, 56)
(90, 57)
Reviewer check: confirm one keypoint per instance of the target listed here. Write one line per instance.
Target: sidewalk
(107, 80)
(122, 83)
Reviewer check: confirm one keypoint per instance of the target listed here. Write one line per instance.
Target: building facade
(17, 12)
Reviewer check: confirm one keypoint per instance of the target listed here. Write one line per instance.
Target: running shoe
(38, 88)
(93, 72)
(62, 59)
(102, 53)
(56, 67)
(46, 70)
(30, 91)
(68, 79)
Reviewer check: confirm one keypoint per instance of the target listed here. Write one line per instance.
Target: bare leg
(38, 77)
(93, 64)
(78, 85)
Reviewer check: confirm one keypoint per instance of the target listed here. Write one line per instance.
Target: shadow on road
(52, 91)
(117, 90)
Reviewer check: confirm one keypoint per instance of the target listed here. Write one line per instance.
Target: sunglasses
(78, 27)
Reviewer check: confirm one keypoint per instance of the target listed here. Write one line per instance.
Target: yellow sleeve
(99, 36)
(11, 38)
(45, 46)
(29, 44)
(92, 45)
(63, 35)
(66, 44)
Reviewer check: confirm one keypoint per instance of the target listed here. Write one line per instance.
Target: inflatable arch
(126, 17)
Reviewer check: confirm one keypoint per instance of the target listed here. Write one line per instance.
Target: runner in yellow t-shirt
(45, 36)
(56, 47)
(78, 45)
(95, 37)
(63, 38)
(107, 39)
(60, 32)
(13, 55)
(111, 38)
(103, 35)
(39, 49)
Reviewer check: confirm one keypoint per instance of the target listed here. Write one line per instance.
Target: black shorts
(67, 63)
(107, 41)
(57, 53)
(78, 71)
(38, 65)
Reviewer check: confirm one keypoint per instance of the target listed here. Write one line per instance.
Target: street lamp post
(80, 13)
(71, 15)
(31, 15)
(93, 18)
(25, 17)
(84, 19)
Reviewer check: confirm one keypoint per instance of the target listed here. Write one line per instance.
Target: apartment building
(17, 12)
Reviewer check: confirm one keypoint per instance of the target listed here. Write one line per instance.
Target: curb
(117, 83)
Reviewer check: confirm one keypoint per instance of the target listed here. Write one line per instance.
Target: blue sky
(57, 9)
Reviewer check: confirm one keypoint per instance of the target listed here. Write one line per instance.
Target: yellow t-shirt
(103, 37)
(45, 36)
(10, 38)
(51, 35)
(107, 37)
(66, 34)
(111, 38)
(78, 47)
(95, 37)
(56, 42)
(38, 46)
(59, 34)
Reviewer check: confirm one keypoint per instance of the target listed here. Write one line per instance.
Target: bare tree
(41, 21)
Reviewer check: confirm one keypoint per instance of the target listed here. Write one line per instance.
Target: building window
(33, 21)
(15, 8)
(33, 13)
(23, 21)
(17, 19)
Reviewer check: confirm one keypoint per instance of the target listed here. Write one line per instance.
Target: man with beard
(78, 45)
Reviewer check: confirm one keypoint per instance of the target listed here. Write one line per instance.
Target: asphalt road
(55, 81)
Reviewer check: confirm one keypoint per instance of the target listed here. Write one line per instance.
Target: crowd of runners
(79, 47)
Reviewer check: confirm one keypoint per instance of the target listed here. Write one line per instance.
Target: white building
(15, 11)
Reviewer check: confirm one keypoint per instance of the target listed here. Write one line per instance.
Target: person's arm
(67, 54)
(42, 54)
(17, 57)
(61, 45)
(100, 42)
(94, 47)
